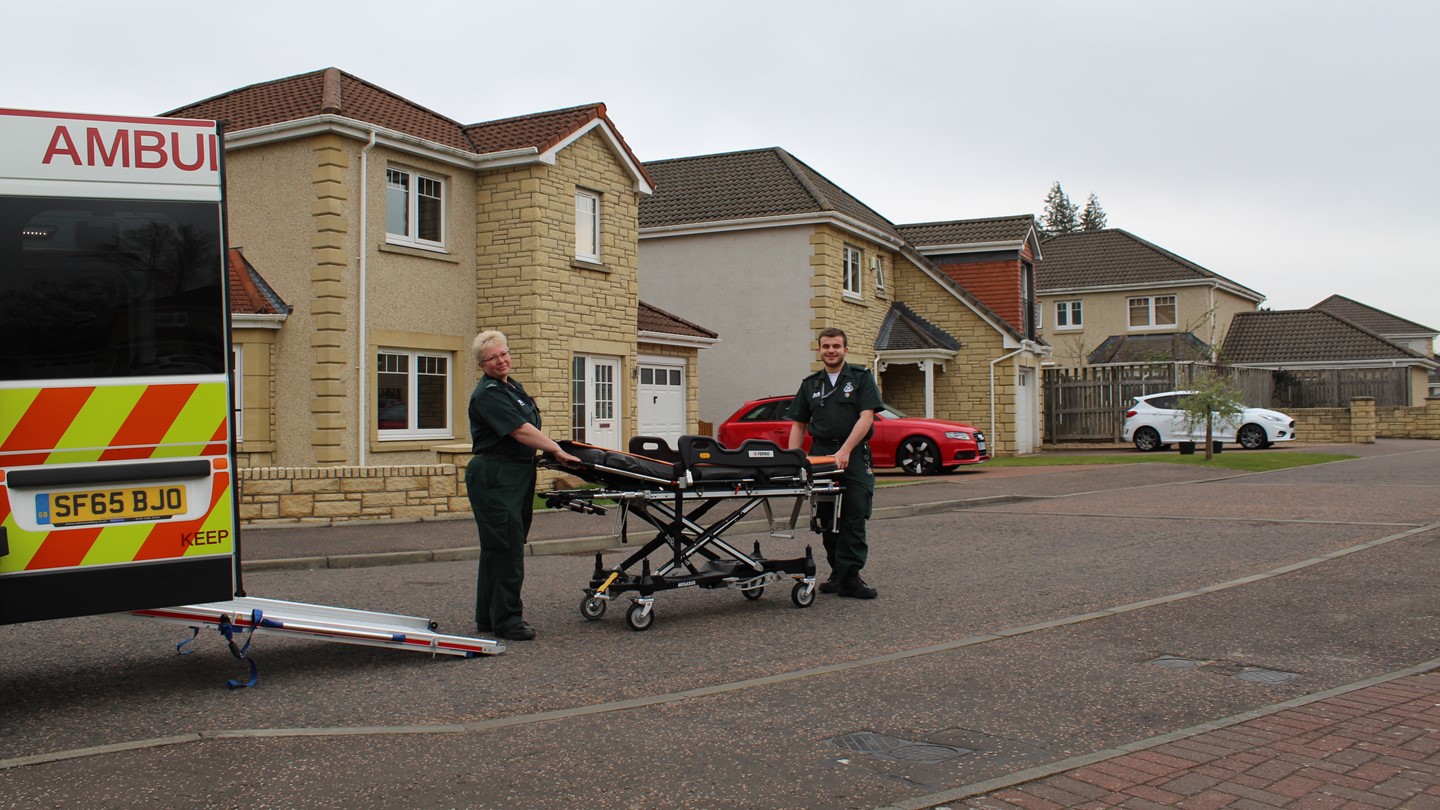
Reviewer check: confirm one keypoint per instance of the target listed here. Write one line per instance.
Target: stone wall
(325, 495)
(1410, 423)
(1363, 422)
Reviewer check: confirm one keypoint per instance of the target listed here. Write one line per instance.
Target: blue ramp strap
(229, 630)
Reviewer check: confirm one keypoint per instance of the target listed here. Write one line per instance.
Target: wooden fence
(1089, 403)
(1334, 388)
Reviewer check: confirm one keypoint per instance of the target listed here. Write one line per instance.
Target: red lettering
(199, 152)
(60, 135)
(95, 145)
(214, 153)
(149, 142)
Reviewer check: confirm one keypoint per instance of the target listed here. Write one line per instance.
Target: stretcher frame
(674, 492)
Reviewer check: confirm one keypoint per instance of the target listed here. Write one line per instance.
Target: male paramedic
(837, 405)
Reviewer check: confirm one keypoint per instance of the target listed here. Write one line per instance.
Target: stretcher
(675, 491)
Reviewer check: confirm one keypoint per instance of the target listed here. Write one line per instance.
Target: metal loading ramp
(249, 615)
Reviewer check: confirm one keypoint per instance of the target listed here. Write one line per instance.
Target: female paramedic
(504, 435)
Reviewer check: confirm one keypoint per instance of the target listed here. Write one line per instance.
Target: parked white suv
(1156, 421)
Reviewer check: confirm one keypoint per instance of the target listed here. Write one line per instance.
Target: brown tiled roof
(1376, 320)
(746, 185)
(969, 231)
(1305, 336)
(327, 91)
(1113, 257)
(1168, 348)
(903, 329)
(249, 293)
(654, 319)
(332, 91)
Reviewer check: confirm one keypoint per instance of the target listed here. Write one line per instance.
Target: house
(1309, 347)
(1395, 329)
(763, 248)
(395, 234)
(1111, 297)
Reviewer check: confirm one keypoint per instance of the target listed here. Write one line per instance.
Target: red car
(917, 446)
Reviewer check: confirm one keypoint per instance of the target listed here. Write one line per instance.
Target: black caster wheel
(638, 618)
(802, 595)
(593, 607)
(754, 593)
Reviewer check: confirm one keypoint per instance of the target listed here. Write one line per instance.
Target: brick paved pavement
(1378, 746)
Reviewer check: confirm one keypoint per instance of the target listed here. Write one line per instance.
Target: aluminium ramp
(273, 616)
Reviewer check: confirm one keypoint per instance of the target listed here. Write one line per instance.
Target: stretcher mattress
(703, 458)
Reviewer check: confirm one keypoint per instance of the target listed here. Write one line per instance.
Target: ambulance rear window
(109, 288)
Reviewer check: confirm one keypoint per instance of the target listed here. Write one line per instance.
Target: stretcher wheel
(754, 593)
(593, 607)
(802, 596)
(638, 618)
(434, 625)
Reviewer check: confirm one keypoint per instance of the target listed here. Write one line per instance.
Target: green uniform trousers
(502, 497)
(846, 549)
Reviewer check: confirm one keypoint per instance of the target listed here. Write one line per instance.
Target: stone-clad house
(1111, 297)
(388, 235)
(768, 251)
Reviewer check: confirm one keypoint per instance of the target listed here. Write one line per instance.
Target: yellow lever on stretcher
(610, 579)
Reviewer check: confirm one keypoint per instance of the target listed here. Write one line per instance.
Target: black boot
(855, 588)
(830, 585)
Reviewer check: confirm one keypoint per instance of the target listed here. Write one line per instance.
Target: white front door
(661, 409)
(1025, 410)
(595, 400)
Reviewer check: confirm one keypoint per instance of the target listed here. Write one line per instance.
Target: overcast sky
(1289, 145)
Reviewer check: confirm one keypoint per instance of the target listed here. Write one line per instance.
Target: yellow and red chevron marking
(103, 423)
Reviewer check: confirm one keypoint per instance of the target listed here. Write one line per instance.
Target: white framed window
(1152, 311)
(237, 384)
(587, 225)
(414, 209)
(413, 394)
(877, 268)
(1069, 315)
(852, 271)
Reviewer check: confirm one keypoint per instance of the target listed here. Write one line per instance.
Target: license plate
(110, 505)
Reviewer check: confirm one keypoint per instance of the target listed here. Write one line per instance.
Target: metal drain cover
(868, 742)
(880, 745)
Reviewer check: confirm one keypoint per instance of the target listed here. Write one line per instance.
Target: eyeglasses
(492, 358)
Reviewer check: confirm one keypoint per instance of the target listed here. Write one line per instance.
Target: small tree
(1060, 214)
(1215, 398)
(1093, 217)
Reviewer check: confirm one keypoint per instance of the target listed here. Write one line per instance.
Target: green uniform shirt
(497, 409)
(831, 411)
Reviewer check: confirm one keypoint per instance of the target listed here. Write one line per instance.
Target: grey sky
(1286, 145)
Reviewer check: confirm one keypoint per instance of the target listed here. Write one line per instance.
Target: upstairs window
(1068, 315)
(877, 267)
(587, 226)
(414, 209)
(1152, 311)
(852, 271)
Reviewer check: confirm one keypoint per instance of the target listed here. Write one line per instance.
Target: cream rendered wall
(294, 207)
(753, 288)
(416, 300)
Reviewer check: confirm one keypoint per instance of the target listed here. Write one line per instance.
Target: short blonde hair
(485, 340)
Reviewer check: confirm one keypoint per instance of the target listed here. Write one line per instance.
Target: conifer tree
(1060, 214)
(1093, 217)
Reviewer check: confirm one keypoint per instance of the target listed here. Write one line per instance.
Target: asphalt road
(1116, 605)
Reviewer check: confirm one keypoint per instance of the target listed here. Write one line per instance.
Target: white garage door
(662, 401)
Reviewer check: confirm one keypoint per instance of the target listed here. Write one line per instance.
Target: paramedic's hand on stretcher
(531, 436)
(842, 458)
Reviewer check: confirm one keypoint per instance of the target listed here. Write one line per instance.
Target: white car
(1155, 421)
